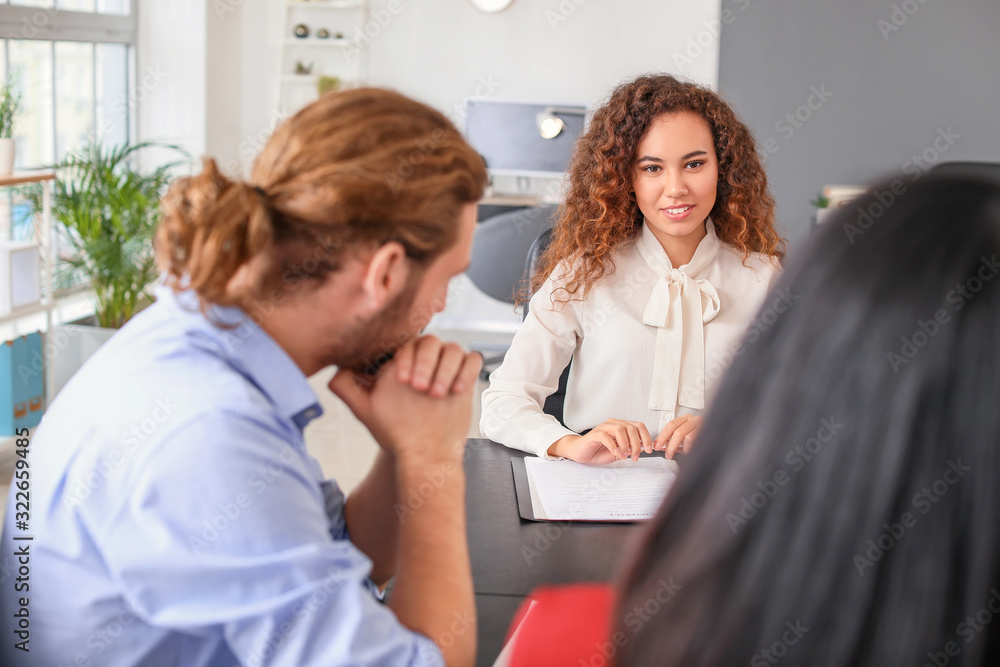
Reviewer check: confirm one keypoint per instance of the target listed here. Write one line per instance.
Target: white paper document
(620, 491)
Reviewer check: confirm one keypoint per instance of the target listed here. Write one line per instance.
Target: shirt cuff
(540, 439)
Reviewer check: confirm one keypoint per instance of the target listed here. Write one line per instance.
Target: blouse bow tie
(679, 308)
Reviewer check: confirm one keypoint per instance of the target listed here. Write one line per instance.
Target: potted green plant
(10, 99)
(108, 211)
(822, 205)
(327, 83)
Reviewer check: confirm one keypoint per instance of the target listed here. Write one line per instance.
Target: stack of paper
(621, 491)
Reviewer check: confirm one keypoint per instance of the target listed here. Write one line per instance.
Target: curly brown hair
(600, 212)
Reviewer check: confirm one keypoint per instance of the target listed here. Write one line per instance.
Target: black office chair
(981, 169)
(555, 404)
(499, 246)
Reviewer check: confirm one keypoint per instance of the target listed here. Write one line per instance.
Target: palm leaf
(108, 213)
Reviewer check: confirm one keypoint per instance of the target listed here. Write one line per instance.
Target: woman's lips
(677, 212)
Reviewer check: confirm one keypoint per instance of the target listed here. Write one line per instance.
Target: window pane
(74, 96)
(113, 7)
(31, 71)
(113, 108)
(33, 3)
(76, 5)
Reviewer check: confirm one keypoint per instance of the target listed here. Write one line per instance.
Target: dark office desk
(511, 557)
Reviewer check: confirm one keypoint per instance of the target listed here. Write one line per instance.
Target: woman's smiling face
(676, 176)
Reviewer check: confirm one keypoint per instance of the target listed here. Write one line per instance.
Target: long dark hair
(842, 506)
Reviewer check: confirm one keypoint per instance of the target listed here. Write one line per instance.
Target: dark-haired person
(176, 516)
(843, 508)
(664, 249)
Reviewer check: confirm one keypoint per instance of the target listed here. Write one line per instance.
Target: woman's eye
(695, 164)
(652, 168)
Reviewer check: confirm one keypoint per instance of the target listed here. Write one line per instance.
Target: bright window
(73, 63)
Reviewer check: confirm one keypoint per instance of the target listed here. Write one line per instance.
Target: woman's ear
(386, 276)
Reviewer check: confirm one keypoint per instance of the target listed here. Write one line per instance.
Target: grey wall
(886, 94)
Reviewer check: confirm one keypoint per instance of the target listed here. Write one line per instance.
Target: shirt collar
(656, 257)
(254, 353)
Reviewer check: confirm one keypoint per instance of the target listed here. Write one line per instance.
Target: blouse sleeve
(541, 349)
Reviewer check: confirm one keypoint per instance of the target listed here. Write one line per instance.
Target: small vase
(6, 156)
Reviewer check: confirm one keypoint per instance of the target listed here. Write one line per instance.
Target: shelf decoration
(301, 31)
(323, 33)
(302, 68)
(327, 83)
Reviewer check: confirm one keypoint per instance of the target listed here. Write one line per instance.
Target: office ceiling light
(549, 125)
(491, 6)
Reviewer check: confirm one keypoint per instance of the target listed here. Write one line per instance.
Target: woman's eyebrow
(650, 158)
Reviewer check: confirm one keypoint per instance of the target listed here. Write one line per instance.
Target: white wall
(171, 74)
(217, 61)
(224, 82)
(443, 51)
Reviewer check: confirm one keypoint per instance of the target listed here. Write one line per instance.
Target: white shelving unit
(45, 246)
(340, 55)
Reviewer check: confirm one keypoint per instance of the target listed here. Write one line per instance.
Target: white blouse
(648, 343)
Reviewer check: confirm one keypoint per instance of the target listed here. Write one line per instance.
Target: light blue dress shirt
(178, 519)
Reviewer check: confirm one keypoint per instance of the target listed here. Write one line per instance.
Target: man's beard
(370, 345)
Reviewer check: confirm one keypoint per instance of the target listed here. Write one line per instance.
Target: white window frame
(51, 24)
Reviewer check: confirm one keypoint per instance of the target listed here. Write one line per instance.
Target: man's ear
(387, 274)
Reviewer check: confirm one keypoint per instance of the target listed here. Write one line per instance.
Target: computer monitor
(509, 135)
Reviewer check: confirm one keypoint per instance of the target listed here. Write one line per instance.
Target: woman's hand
(678, 434)
(610, 441)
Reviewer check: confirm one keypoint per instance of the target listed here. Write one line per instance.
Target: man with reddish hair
(176, 517)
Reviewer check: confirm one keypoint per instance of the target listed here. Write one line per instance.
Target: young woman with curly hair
(663, 252)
